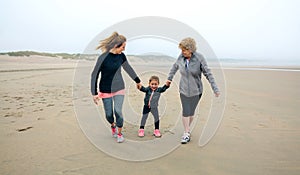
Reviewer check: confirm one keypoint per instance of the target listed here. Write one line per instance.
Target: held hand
(138, 85)
(217, 94)
(168, 82)
(96, 99)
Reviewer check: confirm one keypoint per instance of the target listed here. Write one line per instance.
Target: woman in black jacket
(111, 88)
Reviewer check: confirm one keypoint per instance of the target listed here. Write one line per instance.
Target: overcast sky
(258, 29)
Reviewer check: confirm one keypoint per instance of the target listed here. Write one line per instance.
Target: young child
(152, 94)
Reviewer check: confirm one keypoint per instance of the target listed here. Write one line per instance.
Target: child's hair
(153, 77)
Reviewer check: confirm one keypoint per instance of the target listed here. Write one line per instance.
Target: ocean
(259, 62)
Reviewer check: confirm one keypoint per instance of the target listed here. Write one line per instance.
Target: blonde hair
(113, 40)
(188, 44)
(153, 77)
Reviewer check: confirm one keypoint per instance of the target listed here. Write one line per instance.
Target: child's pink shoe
(156, 133)
(141, 133)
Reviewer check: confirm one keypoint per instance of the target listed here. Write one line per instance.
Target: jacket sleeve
(95, 74)
(143, 89)
(173, 71)
(163, 89)
(208, 75)
(127, 67)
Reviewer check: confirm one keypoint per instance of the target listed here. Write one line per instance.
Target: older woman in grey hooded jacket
(191, 66)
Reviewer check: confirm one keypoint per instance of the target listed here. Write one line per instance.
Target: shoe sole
(120, 141)
(185, 142)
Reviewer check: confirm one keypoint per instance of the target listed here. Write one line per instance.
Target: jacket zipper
(188, 77)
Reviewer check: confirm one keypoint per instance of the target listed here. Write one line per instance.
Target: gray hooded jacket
(190, 81)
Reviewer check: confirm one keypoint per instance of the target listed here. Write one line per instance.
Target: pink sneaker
(114, 131)
(141, 133)
(156, 133)
(120, 138)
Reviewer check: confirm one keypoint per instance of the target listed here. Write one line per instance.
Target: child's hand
(168, 82)
(138, 85)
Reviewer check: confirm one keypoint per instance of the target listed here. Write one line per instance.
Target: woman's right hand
(96, 99)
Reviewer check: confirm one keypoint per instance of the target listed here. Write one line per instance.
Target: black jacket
(109, 65)
(155, 97)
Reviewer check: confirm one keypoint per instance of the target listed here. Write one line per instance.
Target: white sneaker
(185, 138)
(120, 138)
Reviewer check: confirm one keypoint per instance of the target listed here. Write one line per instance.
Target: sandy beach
(40, 133)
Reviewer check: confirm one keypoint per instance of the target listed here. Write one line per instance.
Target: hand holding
(138, 85)
(168, 82)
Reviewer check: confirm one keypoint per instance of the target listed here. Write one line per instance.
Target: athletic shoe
(141, 133)
(120, 138)
(114, 131)
(156, 133)
(185, 138)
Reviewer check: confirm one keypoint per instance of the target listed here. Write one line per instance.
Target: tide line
(260, 69)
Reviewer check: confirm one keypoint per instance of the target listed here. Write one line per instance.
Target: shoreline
(135, 61)
(242, 68)
(264, 68)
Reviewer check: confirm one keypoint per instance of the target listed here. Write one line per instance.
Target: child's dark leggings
(154, 112)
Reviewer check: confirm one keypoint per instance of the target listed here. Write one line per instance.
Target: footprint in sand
(7, 115)
(48, 105)
(18, 98)
(68, 103)
(235, 107)
(236, 128)
(260, 125)
(14, 114)
(24, 129)
(38, 109)
(41, 118)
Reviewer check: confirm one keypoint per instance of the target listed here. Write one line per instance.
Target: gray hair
(188, 44)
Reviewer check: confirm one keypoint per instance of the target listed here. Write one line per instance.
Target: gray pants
(113, 106)
(154, 112)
